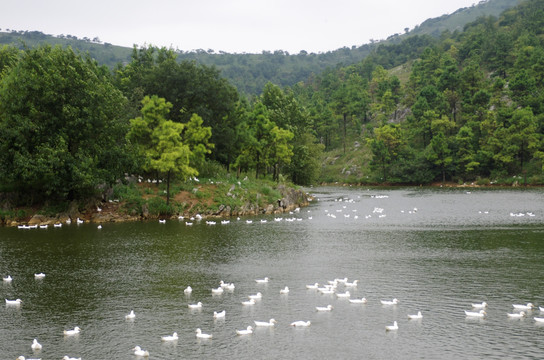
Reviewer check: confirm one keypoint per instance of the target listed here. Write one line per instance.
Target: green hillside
(250, 72)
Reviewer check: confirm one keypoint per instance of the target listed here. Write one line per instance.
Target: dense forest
(464, 107)
(249, 72)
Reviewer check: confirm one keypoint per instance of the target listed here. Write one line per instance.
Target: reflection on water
(437, 251)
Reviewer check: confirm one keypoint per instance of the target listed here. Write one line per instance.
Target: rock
(37, 219)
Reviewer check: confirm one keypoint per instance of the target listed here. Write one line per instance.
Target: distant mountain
(250, 72)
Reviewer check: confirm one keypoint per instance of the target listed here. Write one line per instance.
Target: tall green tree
(61, 126)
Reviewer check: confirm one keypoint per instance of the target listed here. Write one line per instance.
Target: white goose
(262, 281)
(324, 308)
(416, 317)
(483, 305)
(529, 306)
(301, 323)
(172, 337)
(201, 335)
(7, 278)
(36, 345)
(358, 301)
(479, 314)
(219, 315)
(389, 302)
(198, 305)
(139, 352)
(131, 315)
(270, 323)
(519, 315)
(14, 302)
(393, 327)
(285, 290)
(247, 331)
(74, 331)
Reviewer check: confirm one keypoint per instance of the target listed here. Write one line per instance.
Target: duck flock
(338, 289)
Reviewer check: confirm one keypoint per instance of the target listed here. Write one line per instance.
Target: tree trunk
(345, 120)
(168, 189)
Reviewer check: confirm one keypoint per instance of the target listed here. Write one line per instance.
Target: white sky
(228, 25)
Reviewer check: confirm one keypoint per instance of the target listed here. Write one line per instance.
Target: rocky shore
(113, 211)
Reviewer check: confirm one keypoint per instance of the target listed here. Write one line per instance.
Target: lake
(435, 250)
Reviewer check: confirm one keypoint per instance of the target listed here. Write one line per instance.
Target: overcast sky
(229, 25)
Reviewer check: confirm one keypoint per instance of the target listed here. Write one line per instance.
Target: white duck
(247, 331)
(270, 323)
(219, 315)
(389, 302)
(312, 287)
(479, 314)
(483, 305)
(517, 315)
(188, 290)
(23, 358)
(393, 327)
(139, 352)
(358, 301)
(416, 317)
(262, 281)
(66, 357)
(257, 296)
(201, 335)
(39, 276)
(74, 331)
(217, 291)
(538, 319)
(198, 305)
(36, 345)
(285, 290)
(529, 306)
(172, 337)
(7, 278)
(14, 302)
(344, 295)
(249, 302)
(351, 284)
(541, 308)
(131, 315)
(324, 308)
(301, 323)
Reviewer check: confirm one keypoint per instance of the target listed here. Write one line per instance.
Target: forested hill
(250, 72)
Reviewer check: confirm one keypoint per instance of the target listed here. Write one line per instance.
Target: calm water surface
(458, 248)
